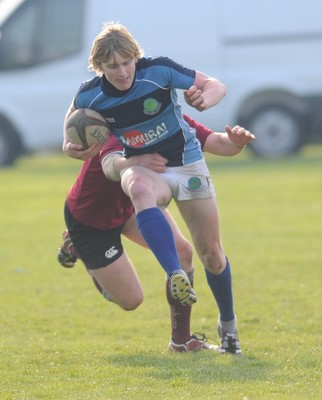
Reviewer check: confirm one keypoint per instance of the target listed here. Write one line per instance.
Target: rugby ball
(86, 127)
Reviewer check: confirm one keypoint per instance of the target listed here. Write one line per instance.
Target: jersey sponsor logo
(194, 183)
(139, 139)
(111, 252)
(151, 106)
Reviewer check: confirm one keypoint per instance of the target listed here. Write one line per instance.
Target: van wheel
(278, 130)
(10, 145)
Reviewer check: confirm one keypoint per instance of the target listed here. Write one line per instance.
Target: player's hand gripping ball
(86, 127)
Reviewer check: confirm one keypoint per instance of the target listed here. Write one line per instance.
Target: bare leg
(201, 217)
(121, 282)
(202, 220)
(147, 191)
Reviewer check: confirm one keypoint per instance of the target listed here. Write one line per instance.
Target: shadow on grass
(199, 368)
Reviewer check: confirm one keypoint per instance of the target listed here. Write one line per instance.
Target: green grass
(60, 340)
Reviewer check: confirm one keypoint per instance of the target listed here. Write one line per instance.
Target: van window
(34, 35)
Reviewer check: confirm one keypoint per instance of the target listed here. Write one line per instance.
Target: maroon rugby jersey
(97, 202)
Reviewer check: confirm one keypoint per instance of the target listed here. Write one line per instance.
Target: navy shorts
(96, 247)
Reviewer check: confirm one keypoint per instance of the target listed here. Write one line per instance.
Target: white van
(267, 53)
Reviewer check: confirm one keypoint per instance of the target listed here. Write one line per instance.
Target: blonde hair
(114, 38)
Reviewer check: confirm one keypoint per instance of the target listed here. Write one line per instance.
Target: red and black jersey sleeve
(112, 145)
(202, 131)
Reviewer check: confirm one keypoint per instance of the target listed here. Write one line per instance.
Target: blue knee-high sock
(221, 287)
(157, 232)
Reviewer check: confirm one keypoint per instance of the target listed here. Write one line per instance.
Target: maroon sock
(180, 318)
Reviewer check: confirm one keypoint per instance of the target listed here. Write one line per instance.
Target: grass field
(60, 340)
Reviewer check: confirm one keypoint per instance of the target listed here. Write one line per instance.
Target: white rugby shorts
(190, 182)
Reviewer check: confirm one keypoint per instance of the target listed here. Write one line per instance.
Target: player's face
(119, 71)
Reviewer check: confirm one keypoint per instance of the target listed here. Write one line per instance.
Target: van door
(40, 50)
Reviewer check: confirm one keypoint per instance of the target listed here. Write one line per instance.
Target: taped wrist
(108, 166)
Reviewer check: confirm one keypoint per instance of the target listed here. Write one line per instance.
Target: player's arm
(76, 150)
(205, 93)
(227, 143)
(113, 161)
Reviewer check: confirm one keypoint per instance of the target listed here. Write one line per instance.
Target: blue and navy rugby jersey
(147, 118)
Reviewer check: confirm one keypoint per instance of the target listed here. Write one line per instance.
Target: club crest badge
(151, 106)
(194, 183)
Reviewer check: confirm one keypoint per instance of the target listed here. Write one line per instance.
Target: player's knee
(216, 269)
(214, 260)
(131, 303)
(137, 187)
